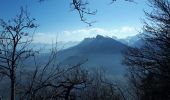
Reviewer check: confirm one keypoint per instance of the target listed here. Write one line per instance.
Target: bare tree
(149, 65)
(54, 82)
(15, 37)
(67, 83)
(101, 88)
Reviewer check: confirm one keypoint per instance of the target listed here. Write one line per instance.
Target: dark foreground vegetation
(148, 65)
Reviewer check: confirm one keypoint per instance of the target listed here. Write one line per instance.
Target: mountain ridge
(99, 51)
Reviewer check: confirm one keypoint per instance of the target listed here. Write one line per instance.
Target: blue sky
(56, 20)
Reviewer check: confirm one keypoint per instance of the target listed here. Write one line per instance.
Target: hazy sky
(56, 20)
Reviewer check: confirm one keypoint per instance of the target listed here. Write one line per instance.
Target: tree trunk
(13, 85)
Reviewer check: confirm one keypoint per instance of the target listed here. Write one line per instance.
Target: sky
(58, 22)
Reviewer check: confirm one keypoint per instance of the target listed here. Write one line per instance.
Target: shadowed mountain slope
(96, 52)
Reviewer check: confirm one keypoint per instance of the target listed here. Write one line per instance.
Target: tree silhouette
(15, 38)
(72, 83)
(149, 65)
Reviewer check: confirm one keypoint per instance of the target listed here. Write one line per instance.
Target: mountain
(96, 52)
(133, 41)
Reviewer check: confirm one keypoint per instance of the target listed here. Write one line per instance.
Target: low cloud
(80, 34)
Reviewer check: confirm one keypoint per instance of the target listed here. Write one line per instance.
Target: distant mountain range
(61, 45)
(98, 52)
(133, 41)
